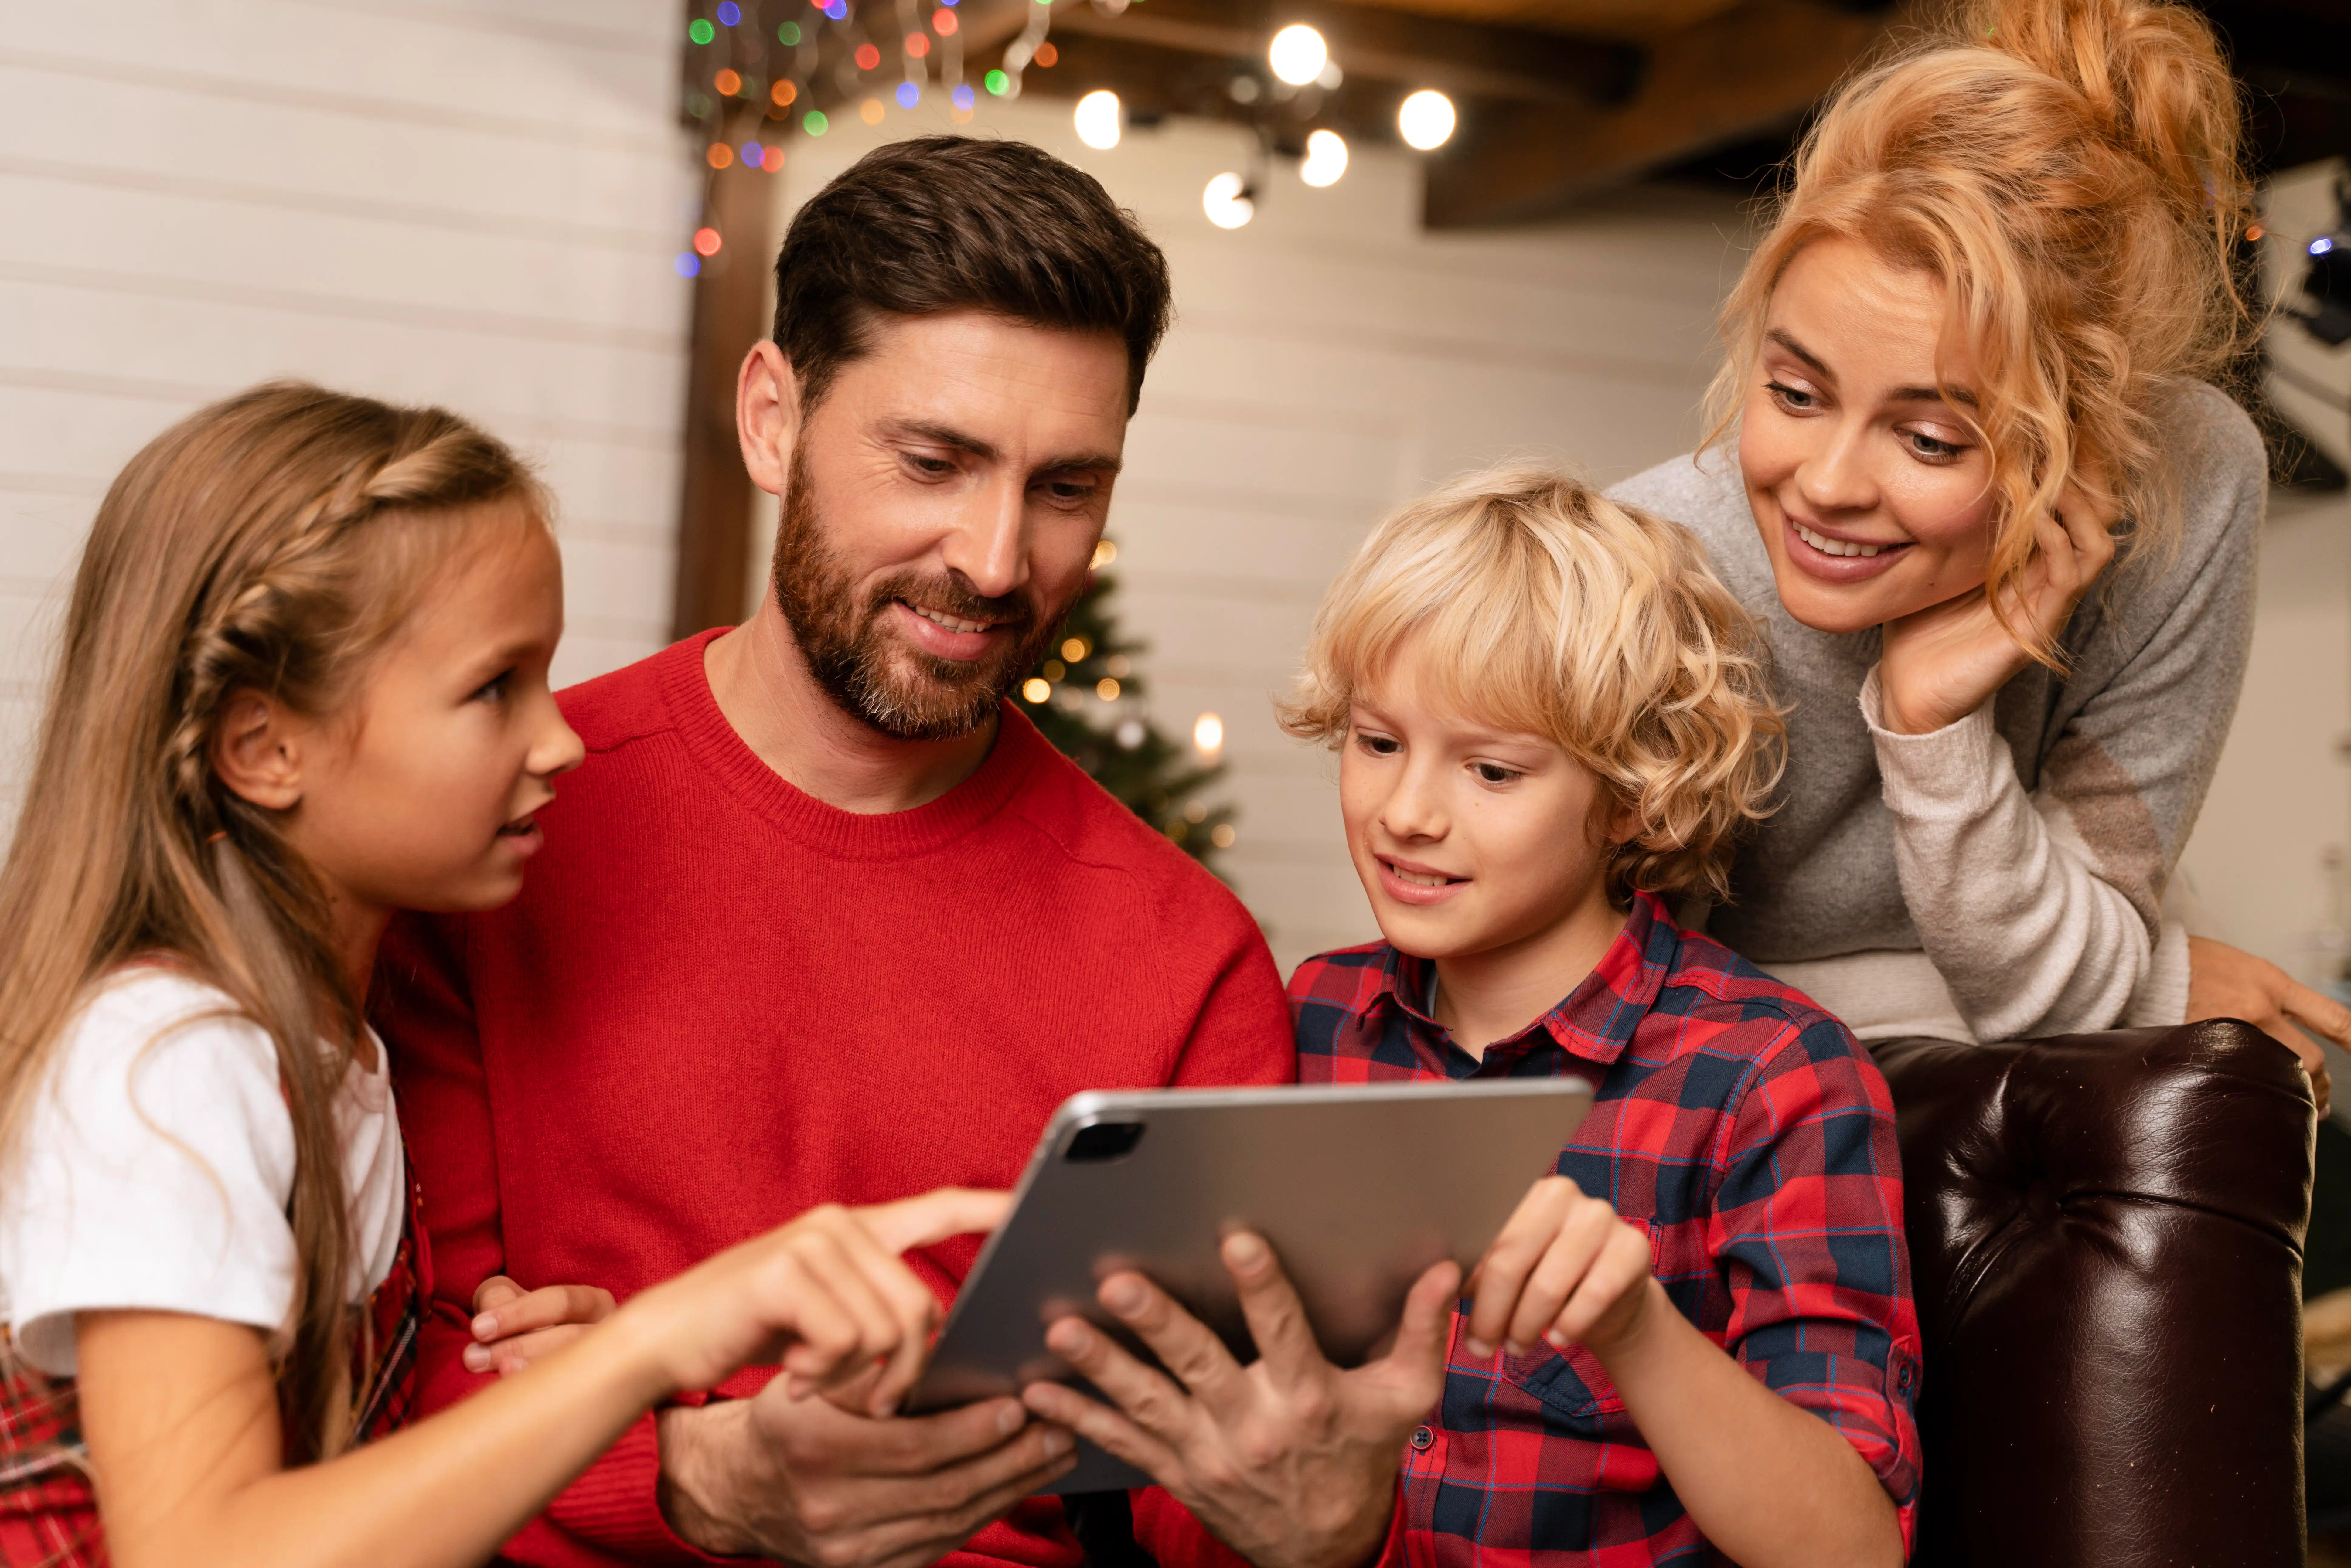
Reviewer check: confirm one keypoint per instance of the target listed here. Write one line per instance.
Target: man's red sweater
(720, 1001)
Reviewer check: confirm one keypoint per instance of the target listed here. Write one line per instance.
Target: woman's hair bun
(2151, 73)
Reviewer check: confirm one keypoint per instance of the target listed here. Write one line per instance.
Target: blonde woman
(2000, 531)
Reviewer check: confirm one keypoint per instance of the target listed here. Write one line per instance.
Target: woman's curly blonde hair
(2071, 171)
(1543, 607)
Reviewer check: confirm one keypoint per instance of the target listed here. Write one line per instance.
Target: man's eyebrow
(946, 435)
(1106, 462)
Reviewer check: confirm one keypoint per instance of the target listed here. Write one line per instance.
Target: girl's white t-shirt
(154, 1168)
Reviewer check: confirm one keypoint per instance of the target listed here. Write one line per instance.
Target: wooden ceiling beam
(1741, 73)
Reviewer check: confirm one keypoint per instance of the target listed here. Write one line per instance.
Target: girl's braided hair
(272, 543)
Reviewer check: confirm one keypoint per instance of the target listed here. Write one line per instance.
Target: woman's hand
(2223, 983)
(826, 1295)
(514, 1327)
(1942, 663)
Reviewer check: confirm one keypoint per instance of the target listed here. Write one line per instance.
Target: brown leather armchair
(2106, 1242)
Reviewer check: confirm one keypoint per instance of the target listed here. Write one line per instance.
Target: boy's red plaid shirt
(1751, 1137)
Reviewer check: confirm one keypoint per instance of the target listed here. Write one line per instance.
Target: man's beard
(872, 675)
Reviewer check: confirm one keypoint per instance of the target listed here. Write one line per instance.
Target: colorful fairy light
(814, 123)
(728, 83)
(1107, 689)
(788, 35)
(700, 30)
(909, 95)
(963, 95)
(783, 92)
(1036, 689)
(996, 82)
(918, 45)
(720, 155)
(687, 264)
(867, 56)
(1105, 552)
(730, 13)
(706, 242)
(754, 155)
(871, 111)
(1047, 55)
(943, 23)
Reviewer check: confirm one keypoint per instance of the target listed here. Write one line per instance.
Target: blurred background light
(909, 95)
(1326, 158)
(1298, 53)
(1426, 120)
(1208, 735)
(1097, 117)
(962, 96)
(1227, 201)
(707, 241)
(730, 13)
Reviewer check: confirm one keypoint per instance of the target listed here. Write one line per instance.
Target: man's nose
(988, 546)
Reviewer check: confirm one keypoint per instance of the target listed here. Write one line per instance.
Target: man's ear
(257, 750)
(768, 416)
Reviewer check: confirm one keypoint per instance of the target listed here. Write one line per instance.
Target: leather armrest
(2105, 1241)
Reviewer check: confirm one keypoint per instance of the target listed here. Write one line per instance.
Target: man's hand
(514, 1327)
(1290, 1461)
(2223, 983)
(1565, 1270)
(803, 1481)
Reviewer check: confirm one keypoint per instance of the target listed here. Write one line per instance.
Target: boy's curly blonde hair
(1543, 607)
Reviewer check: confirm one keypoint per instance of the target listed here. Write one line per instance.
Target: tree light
(1099, 116)
(1208, 734)
(1326, 158)
(1298, 53)
(1426, 120)
(1227, 201)
(1036, 689)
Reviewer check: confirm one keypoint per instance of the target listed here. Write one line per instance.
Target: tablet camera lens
(1098, 1142)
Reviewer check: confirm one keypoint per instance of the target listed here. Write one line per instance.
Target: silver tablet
(1358, 1188)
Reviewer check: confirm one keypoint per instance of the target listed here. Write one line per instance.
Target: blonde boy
(1696, 1341)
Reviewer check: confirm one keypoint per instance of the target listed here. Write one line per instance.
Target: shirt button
(1422, 1437)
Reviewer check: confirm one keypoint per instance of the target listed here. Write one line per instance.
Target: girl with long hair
(304, 683)
(1972, 473)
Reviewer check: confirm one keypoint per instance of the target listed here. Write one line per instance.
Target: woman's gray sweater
(2004, 877)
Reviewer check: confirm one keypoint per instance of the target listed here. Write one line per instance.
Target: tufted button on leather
(1422, 1437)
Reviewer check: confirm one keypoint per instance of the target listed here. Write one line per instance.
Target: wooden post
(730, 314)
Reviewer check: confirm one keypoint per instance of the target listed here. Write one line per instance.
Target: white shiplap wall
(1328, 361)
(468, 204)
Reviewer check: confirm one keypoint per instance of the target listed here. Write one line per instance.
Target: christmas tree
(1087, 700)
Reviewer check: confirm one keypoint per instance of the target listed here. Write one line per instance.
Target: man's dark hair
(951, 223)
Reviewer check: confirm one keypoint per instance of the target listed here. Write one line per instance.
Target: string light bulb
(1326, 158)
(1208, 735)
(1298, 53)
(1425, 119)
(1227, 201)
(1097, 117)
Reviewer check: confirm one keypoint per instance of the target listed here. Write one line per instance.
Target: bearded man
(823, 919)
